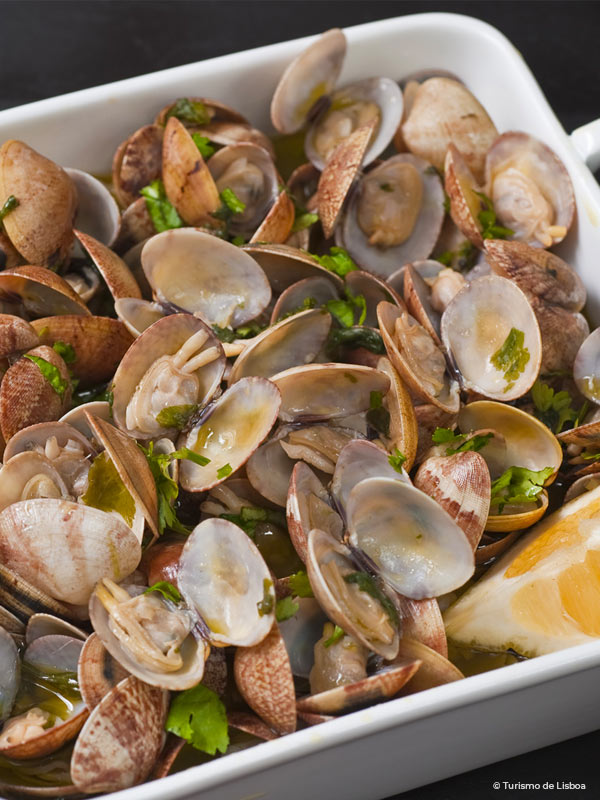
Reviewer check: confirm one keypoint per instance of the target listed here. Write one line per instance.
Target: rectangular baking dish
(426, 737)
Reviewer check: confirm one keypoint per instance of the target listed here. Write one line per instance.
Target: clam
(10, 671)
(394, 216)
(312, 75)
(229, 431)
(284, 265)
(334, 577)
(136, 314)
(77, 418)
(48, 625)
(97, 671)
(300, 634)
(530, 188)
(492, 333)
(113, 269)
(465, 195)
(22, 599)
(221, 283)
(416, 546)
(40, 227)
(55, 440)
(9, 256)
(294, 341)
(337, 662)
(97, 212)
(176, 363)
(309, 506)
(435, 669)
(224, 579)
(318, 445)
(40, 292)
(16, 335)
(445, 112)
(402, 433)
(277, 225)
(422, 620)
(29, 475)
(136, 163)
(307, 293)
(149, 636)
(269, 470)
(136, 227)
(419, 301)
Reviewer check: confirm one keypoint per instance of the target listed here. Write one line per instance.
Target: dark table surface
(53, 47)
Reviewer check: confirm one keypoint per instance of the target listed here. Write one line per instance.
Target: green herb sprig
(162, 212)
(518, 485)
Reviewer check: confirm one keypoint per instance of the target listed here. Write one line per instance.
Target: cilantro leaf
(65, 350)
(444, 435)
(51, 374)
(338, 260)
(367, 583)
(338, 633)
(285, 609)
(303, 221)
(345, 310)
(396, 460)
(198, 716)
(203, 144)
(167, 590)
(9, 205)
(552, 408)
(162, 212)
(512, 357)
(176, 416)
(475, 444)
(518, 485)
(487, 220)
(192, 111)
(224, 471)
(106, 491)
(300, 585)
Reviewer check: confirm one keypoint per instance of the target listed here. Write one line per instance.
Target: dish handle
(587, 143)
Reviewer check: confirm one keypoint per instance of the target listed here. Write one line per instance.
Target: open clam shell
(327, 391)
(422, 620)
(415, 545)
(308, 506)
(41, 292)
(313, 291)
(417, 295)
(224, 579)
(403, 429)
(462, 190)
(29, 475)
(97, 212)
(179, 348)
(117, 275)
(221, 282)
(269, 470)
(121, 739)
(481, 328)
(357, 613)
(64, 548)
(48, 625)
(97, 671)
(229, 432)
(35, 437)
(277, 225)
(518, 521)
(312, 74)
(374, 290)
(530, 188)
(10, 671)
(586, 367)
(292, 342)
(284, 265)
(402, 188)
(137, 315)
(435, 669)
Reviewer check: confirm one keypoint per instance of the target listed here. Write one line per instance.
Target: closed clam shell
(99, 344)
(97, 671)
(444, 112)
(136, 163)
(121, 739)
(327, 391)
(40, 227)
(16, 335)
(223, 578)
(416, 546)
(461, 484)
(41, 292)
(26, 397)
(312, 74)
(97, 212)
(188, 182)
(264, 678)
(478, 323)
(294, 341)
(221, 283)
(229, 432)
(64, 548)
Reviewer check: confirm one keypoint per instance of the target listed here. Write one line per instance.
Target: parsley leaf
(396, 460)
(367, 583)
(198, 716)
(368, 338)
(51, 374)
(446, 436)
(106, 491)
(443, 435)
(487, 220)
(303, 221)
(190, 455)
(300, 585)
(176, 416)
(250, 516)
(345, 310)
(285, 609)
(162, 212)
(65, 350)
(203, 144)
(338, 633)
(338, 260)
(307, 303)
(9, 205)
(230, 206)
(167, 590)
(518, 485)
(552, 408)
(224, 471)
(512, 357)
(192, 111)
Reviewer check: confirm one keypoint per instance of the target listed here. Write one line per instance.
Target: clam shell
(312, 74)
(318, 289)
(114, 270)
(15, 474)
(217, 111)
(136, 163)
(64, 548)
(121, 739)
(221, 282)
(505, 523)
(435, 670)
(16, 335)
(586, 367)
(417, 296)
(24, 599)
(248, 723)
(136, 227)
(222, 577)
(491, 547)
(563, 333)
(303, 513)
(137, 315)
(36, 436)
(403, 422)
(264, 678)
(430, 417)
(229, 432)
(461, 187)
(277, 225)
(97, 212)
(327, 391)
(97, 671)
(10, 670)
(284, 265)
(40, 227)
(269, 470)
(48, 625)
(422, 620)
(292, 342)
(374, 290)
(41, 291)
(415, 544)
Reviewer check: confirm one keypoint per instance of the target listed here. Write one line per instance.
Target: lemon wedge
(544, 594)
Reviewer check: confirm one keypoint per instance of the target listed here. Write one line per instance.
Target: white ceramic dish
(415, 740)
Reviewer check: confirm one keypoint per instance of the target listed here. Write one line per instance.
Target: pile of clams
(259, 430)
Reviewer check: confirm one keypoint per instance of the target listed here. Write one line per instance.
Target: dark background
(53, 47)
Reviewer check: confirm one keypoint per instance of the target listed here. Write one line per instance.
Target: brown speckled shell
(277, 225)
(136, 163)
(97, 672)
(114, 270)
(455, 170)
(16, 335)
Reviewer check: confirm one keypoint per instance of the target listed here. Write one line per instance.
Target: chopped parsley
(230, 207)
(224, 471)
(300, 585)
(65, 350)
(344, 311)
(367, 583)
(198, 716)
(303, 221)
(518, 485)
(487, 220)
(192, 111)
(446, 436)
(203, 144)
(51, 374)
(307, 303)
(512, 357)
(176, 416)
(396, 460)
(552, 408)
(285, 609)
(168, 591)
(336, 636)
(338, 260)
(162, 212)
